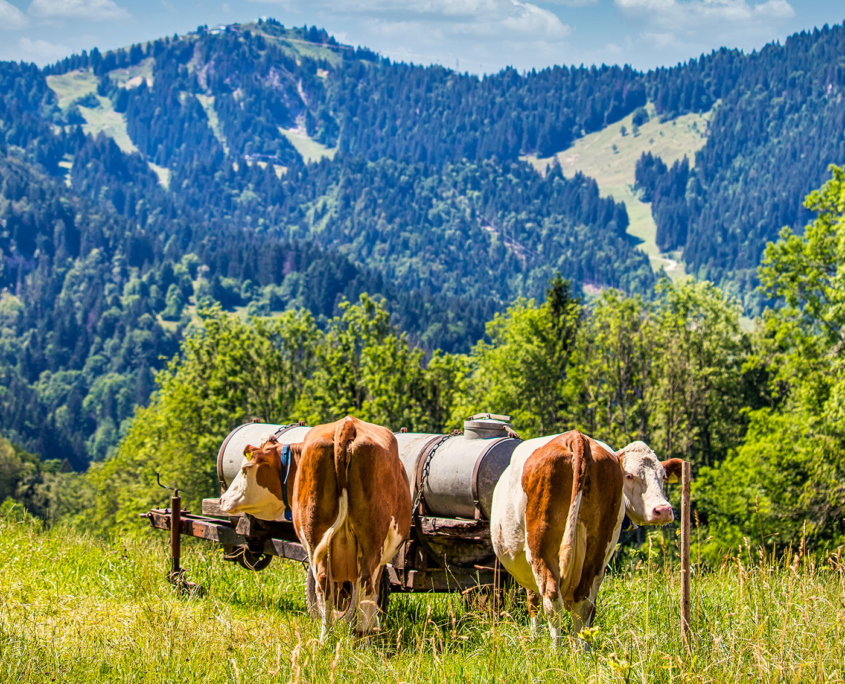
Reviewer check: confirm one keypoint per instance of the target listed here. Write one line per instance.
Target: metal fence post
(175, 538)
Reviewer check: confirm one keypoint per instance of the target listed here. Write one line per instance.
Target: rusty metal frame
(405, 573)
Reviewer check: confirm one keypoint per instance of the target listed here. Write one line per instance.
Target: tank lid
(486, 425)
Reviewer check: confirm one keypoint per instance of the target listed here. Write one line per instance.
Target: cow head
(643, 479)
(257, 489)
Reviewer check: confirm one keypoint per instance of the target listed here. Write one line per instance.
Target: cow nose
(662, 514)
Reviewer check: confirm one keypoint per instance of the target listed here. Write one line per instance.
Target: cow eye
(628, 476)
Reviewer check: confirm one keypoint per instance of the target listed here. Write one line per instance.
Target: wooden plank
(286, 549)
(685, 552)
(441, 581)
(452, 527)
(248, 527)
(212, 507)
(193, 526)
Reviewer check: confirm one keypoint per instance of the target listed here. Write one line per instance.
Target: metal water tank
(458, 472)
(231, 454)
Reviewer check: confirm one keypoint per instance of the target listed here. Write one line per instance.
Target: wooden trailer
(452, 479)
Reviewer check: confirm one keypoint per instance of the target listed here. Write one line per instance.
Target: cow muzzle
(661, 515)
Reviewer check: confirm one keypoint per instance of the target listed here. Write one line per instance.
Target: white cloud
(77, 9)
(530, 20)
(509, 19)
(41, 51)
(661, 39)
(693, 25)
(11, 18)
(572, 3)
(678, 13)
(489, 18)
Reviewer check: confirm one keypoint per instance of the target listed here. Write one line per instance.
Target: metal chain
(285, 427)
(426, 469)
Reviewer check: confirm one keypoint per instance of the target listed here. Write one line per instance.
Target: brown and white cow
(557, 513)
(351, 506)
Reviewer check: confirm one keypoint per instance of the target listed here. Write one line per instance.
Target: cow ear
(248, 450)
(673, 467)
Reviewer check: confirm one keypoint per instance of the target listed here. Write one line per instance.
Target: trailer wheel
(247, 559)
(314, 608)
(383, 591)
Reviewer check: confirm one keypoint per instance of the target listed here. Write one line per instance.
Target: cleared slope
(310, 150)
(72, 85)
(611, 158)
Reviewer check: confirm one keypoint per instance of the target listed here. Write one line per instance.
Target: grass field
(611, 158)
(74, 608)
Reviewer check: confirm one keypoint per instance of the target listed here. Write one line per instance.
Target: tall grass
(75, 608)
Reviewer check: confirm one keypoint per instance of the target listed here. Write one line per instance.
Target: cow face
(257, 489)
(644, 477)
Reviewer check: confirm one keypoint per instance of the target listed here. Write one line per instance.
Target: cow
(351, 506)
(557, 513)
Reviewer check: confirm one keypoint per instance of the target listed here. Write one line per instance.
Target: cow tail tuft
(571, 557)
(344, 435)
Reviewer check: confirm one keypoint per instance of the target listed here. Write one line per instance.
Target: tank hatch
(486, 426)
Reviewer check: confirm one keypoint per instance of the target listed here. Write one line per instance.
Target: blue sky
(473, 35)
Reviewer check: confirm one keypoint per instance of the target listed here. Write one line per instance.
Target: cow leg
(584, 610)
(548, 582)
(367, 603)
(533, 609)
(582, 614)
(325, 597)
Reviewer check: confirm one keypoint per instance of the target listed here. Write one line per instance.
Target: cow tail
(574, 538)
(344, 435)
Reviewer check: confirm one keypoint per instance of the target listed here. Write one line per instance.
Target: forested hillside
(268, 168)
(244, 92)
(771, 141)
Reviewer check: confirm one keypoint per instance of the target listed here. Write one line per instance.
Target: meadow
(79, 608)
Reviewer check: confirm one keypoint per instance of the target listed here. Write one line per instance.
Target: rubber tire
(252, 561)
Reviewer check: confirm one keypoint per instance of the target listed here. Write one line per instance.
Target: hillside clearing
(162, 173)
(610, 158)
(310, 150)
(71, 86)
(104, 119)
(75, 608)
(207, 102)
(131, 77)
(298, 47)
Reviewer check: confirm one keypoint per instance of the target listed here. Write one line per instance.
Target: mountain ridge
(419, 195)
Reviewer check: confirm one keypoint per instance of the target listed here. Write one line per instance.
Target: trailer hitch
(176, 575)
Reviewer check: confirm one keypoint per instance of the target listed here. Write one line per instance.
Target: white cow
(557, 513)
